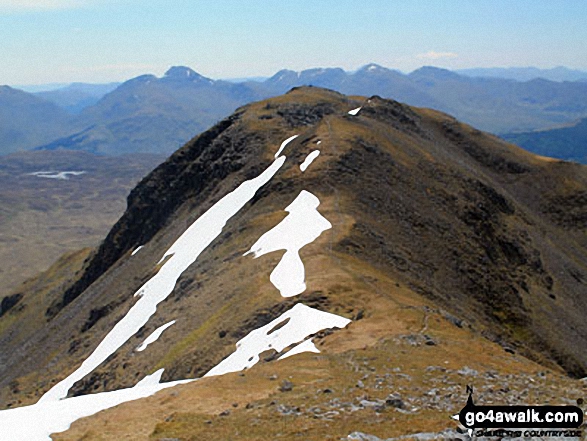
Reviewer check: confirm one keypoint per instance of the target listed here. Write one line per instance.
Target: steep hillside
(568, 142)
(429, 243)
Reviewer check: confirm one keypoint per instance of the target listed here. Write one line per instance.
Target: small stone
(327, 391)
(467, 371)
(395, 400)
(360, 436)
(225, 413)
(234, 404)
(286, 386)
(273, 377)
(360, 384)
(435, 368)
(369, 403)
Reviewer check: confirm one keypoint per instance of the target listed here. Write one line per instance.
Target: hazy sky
(44, 41)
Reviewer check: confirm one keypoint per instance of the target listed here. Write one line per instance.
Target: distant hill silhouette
(559, 73)
(27, 121)
(77, 96)
(568, 143)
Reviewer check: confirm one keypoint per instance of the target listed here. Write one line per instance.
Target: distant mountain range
(559, 73)
(157, 115)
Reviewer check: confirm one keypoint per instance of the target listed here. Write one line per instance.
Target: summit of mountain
(148, 114)
(429, 243)
(183, 73)
(372, 68)
(434, 73)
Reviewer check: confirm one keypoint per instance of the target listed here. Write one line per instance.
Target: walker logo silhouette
(517, 417)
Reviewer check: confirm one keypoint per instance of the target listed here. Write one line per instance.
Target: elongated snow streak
(303, 322)
(284, 143)
(305, 346)
(181, 255)
(136, 251)
(154, 336)
(56, 175)
(354, 111)
(302, 226)
(37, 422)
(309, 159)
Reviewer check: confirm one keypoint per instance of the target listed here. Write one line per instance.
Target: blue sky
(44, 41)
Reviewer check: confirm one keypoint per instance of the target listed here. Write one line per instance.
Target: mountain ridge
(435, 239)
(505, 286)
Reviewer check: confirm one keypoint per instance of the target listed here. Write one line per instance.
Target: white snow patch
(305, 346)
(154, 336)
(284, 143)
(354, 111)
(37, 422)
(182, 254)
(56, 174)
(309, 159)
(300, 227)
(303, 321)
(136, 250)
(318, 143)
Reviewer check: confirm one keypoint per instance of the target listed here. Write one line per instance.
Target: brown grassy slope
(475, 226)
(338, 391)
